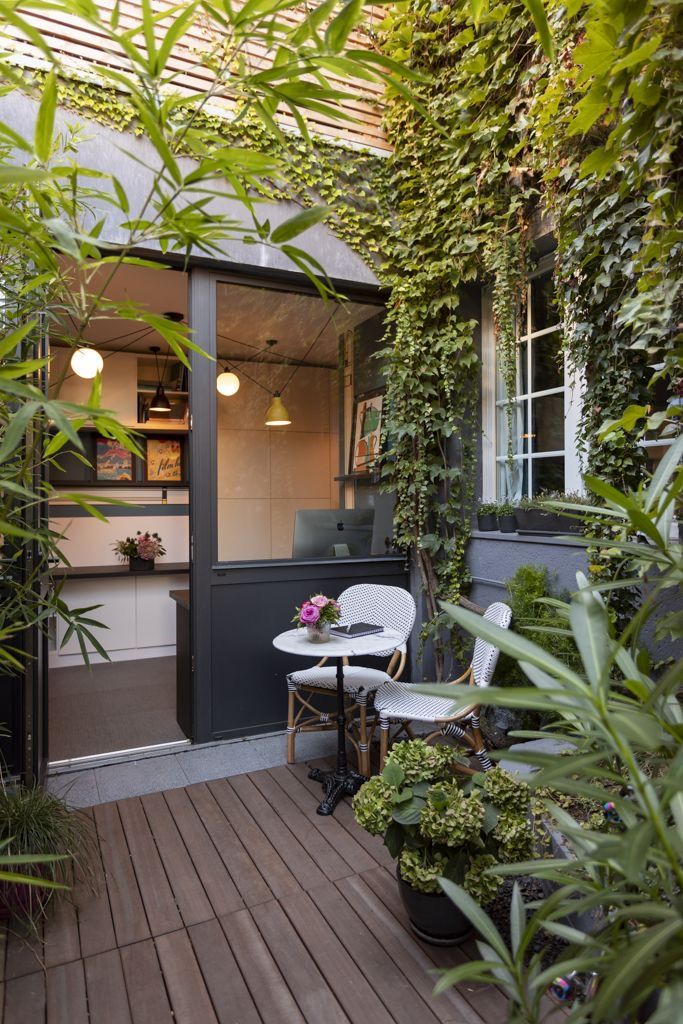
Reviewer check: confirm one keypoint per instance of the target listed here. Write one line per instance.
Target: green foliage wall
(588, 134)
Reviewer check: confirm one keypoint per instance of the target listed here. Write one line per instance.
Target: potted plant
(42, 835)
(540, 516)
(317, 615)
(437, 825)
(140, 550)
(486, 516)
(505, 511)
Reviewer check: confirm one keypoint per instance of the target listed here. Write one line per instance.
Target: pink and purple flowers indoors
(318, 613)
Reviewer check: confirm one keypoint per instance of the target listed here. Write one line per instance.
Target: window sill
(556, 540)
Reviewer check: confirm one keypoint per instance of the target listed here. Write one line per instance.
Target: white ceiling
(304, 326)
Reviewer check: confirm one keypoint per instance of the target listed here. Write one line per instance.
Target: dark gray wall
(494, 557)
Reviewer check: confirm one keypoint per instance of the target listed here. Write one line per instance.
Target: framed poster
(113, 461)
(367, 430)
(164, 460)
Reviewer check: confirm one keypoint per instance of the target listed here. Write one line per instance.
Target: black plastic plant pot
(433, 917)
(549, 524)
(141, 564)
(487, 522)
(507, 523)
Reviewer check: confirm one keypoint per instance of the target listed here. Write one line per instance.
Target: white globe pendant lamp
(227, 383)
(86, 362)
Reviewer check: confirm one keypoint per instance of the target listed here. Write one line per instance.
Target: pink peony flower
(309, 614)
(320, 600)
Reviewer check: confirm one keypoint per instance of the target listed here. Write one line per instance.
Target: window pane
(548, 474)
(512, 480)
(523, 367)
(548, 423)
(519, 429)
(278, 481)
(543, 311)
(547, 363)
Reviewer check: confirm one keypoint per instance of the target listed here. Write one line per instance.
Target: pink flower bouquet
(319, 611)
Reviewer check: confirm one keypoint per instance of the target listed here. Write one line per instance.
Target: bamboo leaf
(45, 119)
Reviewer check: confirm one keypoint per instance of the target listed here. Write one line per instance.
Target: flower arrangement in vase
(317, 615)
(140, 550)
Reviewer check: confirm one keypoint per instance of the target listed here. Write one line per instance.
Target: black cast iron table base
(342, 781)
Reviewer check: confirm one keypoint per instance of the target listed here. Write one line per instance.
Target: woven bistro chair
(398, 703)
(391, 607)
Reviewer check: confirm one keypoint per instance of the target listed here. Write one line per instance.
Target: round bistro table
(342, 780)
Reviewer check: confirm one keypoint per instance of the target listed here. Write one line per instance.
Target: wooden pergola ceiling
(82, 49)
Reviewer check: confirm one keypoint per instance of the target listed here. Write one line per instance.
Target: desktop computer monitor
(326, 533)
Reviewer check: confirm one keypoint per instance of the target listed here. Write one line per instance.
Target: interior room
(130, 702)
(298, 424)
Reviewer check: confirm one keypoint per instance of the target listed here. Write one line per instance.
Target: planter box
(507, 523)
(141, 564)
(549, 524)
(487, 522)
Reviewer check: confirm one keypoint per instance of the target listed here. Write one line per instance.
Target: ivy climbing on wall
(588, 134)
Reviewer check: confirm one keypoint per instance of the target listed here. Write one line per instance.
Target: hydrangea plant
(438, 826)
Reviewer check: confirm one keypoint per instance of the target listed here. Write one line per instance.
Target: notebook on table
(356, 629)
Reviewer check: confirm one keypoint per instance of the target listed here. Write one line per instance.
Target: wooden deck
(233, 902)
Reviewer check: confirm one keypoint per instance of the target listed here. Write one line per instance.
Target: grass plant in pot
(505, 512)
(140, 551)
(48, 840)
(437, 825)
(487, 516)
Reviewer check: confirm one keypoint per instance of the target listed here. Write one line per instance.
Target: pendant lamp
(160, 402)
(277, 415)
(227, 383)
(86, 362)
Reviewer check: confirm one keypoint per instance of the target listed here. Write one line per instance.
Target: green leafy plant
(487, 508)
(626, 728)
(48, 840)
(435, 825)
(505, 508)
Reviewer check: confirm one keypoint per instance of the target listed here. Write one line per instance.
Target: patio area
(232, 901)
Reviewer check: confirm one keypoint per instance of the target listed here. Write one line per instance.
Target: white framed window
(546, 403)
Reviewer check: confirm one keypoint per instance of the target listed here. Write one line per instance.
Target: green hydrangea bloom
(421, 762)
(482, 888)
(451, 818)
(515, 837)
(507, 792)
(421, 870)
(372, 805)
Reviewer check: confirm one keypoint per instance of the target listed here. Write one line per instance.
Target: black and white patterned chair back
(485, 655)
(391, 607)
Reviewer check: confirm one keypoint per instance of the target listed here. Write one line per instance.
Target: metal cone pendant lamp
(277, 415)
(160, 402)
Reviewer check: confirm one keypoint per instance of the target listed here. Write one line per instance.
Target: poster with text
(163, 460)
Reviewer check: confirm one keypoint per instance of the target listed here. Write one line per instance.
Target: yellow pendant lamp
(277, 415)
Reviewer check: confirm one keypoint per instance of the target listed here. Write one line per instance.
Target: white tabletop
(295, 641)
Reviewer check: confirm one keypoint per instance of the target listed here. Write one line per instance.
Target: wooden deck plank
(186, 989)
(245, 874)
(192, 901)
(130, 922)
(218, 884)
(396, 992)
(269, 989)
(306, 983)
(401, 946)
(90, 896)
(279, 878)
(316, 845)
(62, 943)
(24, 951)
(67, 1002)
(490, 1003)
(302, 866)
(229, 993)
(157, 896)
(144, 982)
(344, 815)
(25, 999)
(346, 845)
(107, 997)
(354, 991)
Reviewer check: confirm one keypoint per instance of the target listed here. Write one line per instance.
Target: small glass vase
(318, 633)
